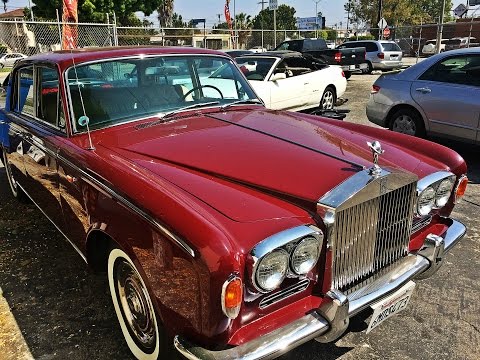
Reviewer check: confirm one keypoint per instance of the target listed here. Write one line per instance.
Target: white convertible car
(290, 81)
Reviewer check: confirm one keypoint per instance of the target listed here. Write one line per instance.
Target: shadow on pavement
(63, 310)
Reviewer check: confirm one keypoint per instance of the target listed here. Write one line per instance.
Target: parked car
(411, 46)
(331, 44)
(438, 96)
(8, 60)
(226, 230)
(257, 49)
(351, 60)
(381, 55)
(236, 53)
(430, 47)
(460, 43)
(286, 80)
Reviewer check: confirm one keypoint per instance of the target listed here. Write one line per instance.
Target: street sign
(460, 10)
(273, 4)
(386, 32)
(382, 24)
(474, 2)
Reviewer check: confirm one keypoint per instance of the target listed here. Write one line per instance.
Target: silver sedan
(438, 96)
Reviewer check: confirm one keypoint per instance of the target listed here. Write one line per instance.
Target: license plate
(391, 305)
(352, 67)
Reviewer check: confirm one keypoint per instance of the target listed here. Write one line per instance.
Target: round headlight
(443, 192)
(305, 255)
(426, 201)
(271, 270)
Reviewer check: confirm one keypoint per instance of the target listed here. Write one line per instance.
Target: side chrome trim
(114, 195)
(61, 232)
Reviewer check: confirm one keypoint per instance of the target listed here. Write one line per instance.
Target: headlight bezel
(287, 241)
(433, 181)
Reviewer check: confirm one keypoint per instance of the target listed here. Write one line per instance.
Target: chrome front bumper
(329, 322)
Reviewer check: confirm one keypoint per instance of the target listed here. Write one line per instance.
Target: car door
(449, 93)
(35, 116)
(290, 93)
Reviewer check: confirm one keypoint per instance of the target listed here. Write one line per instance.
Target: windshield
(255, 68)
(120, 90)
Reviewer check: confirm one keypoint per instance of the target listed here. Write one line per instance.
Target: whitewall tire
(133, 306)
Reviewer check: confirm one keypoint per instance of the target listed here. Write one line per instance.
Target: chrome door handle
(424, 90)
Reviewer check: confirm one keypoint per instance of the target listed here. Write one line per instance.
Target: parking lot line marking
(12, 342)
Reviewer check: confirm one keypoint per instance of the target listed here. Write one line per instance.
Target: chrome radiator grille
(370, 236)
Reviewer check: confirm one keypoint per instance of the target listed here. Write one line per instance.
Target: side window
(371, 47)
(25, 94)
(464, 70)
(47, 95)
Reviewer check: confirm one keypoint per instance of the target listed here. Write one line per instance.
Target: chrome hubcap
(134, 302)
(327, 100)
(404, 124)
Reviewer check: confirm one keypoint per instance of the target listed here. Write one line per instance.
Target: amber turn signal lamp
(461, 188)
(232, 296)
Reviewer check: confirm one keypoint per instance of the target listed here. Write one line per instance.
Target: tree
(285, 19)
(244, 26)
(96, 10)
(398, 12)
(165, 13)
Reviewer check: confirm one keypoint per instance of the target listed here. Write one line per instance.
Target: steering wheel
(200, 87)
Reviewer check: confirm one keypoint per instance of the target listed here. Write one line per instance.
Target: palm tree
(244, 24)
(165, 13)
(5, 5)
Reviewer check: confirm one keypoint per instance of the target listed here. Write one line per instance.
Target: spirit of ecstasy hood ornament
(377, 150)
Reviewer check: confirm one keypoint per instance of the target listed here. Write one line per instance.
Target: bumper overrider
(331, 320)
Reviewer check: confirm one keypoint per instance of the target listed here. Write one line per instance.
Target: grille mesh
(371, 236)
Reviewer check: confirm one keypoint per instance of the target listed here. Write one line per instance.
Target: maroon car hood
(278, 153)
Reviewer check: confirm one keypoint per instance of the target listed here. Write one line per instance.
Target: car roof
(416, 70)
(65, 58)
(282, 54)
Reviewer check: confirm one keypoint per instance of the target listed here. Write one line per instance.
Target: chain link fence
(37, 37)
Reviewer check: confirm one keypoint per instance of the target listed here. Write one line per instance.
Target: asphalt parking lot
(64, 311)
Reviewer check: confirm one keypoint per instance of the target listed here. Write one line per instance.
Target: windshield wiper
(239, 102)
(194, 106)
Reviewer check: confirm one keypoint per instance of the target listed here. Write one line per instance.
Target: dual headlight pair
(272, 269)
(435, 195)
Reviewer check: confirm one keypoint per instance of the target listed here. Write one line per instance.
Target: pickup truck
(350, 60)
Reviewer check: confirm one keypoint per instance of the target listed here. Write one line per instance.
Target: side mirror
(278, 76)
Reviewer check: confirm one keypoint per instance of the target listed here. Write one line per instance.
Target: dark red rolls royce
(226, 230)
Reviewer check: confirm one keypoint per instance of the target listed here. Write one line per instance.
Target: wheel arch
(398, 107)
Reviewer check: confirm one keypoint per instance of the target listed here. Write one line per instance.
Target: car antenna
(83, 120)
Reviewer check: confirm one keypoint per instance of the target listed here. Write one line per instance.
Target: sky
(209, 9)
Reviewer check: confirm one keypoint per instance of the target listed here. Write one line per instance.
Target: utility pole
(316, 17)
(380, 16)
(262, 2)
(440, 29)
